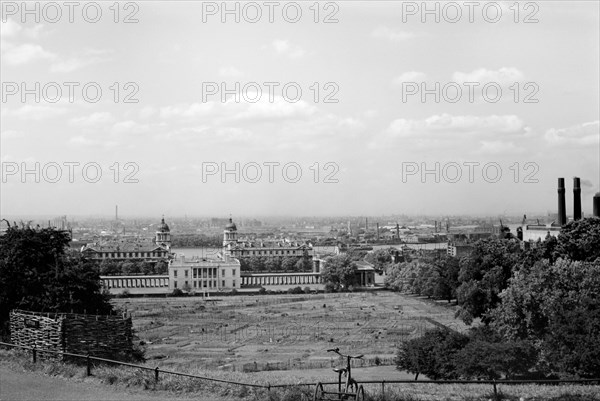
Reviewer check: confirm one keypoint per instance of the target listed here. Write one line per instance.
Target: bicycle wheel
(360, 394)
(318, 392)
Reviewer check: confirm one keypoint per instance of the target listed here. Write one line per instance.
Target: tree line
(111, 267)
(534, 312)
(276, 264)
(196, 241)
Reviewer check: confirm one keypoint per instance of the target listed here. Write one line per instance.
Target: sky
(298, 108)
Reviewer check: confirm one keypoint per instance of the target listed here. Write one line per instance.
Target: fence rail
(157, 371)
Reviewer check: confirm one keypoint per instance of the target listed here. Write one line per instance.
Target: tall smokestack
(116, 212)
(377, 230)
(576, 198)
(597, 205)
(562, 211)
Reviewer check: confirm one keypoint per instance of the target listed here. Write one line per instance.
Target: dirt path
(29, 386)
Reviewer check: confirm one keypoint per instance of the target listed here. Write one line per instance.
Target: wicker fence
(105, 336)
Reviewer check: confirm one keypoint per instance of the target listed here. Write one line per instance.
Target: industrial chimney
(562, 211)
(576, 198)
(597, 205)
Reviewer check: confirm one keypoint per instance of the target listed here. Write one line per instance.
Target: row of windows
(204, 284)
(105, 255)
(282, 252)
(210, 272)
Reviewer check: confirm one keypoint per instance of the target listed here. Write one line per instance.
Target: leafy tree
(432, 354)
(580, 240)
(381, 258)
(448, 270)
(484, 273)
(557, 306)
(340, 271)
(303, 265)
(39, 272)
(273, 264)
(109, 267)
(161, 267)
(488, 356)
(402, 277)
(289, 264)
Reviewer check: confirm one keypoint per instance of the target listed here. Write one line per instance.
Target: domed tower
(163, 235)
(229, 235)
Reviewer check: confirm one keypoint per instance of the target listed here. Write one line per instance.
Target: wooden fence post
(383, 390)
(88, 365)
(34, 353)
(156, 374)
(495, 391)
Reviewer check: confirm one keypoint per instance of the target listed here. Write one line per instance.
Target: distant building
(458, 249)
(204, 275)
(233, 247)
(132, 248)
(533, 232)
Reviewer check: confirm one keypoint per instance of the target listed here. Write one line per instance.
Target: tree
(289, 264)
(109, 267)
(580, 240)
(556, 306)
(340, 271)
(432, 354)
(272, 264)
(39, 272)
(161, 267)
(488, 356)
(484, 273)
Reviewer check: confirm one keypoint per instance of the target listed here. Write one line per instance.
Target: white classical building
(204, 275)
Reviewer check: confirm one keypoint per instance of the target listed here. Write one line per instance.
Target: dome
(231, 226)
(163, 228)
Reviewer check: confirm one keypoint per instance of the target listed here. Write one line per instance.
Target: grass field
(283, 332)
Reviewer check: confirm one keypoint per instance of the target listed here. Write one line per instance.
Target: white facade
(204, 275)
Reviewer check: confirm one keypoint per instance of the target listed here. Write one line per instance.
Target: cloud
(285, 48)
(278, 109)
(9, 29)
(409, 76)
(147, 112)
(583, 134)
(499, 147)
(9, 134)
(230, 72)
(30, 112)
(384, 32)
(83, 141)
(129, 127)
(490, 134)
(25, 53)
(502, 76)
(89, 57)
(445, 124)
(190, 110)
(93, 119)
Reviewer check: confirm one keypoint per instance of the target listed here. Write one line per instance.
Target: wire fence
(157, 372)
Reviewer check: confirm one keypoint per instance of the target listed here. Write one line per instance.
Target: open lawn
(282, 332)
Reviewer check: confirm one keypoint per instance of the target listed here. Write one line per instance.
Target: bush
(262, 291)
(307, 290)
(295, 290)
(329, 287)
(124, 294)
(177, 293)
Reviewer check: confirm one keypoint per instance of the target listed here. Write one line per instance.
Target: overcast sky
(368, 145)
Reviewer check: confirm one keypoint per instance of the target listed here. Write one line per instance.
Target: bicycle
(351, 390)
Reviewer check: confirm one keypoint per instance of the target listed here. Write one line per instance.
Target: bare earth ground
(290, 332)
(29, 386)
